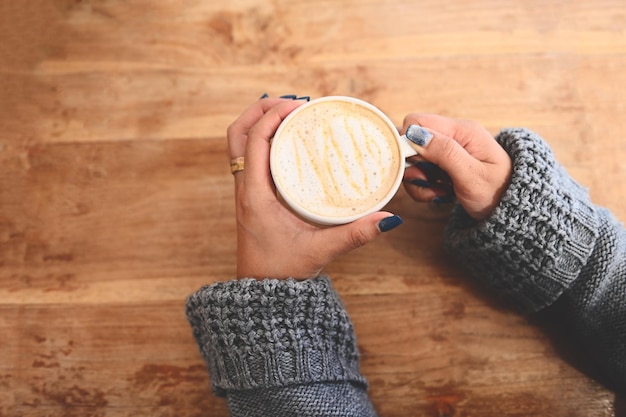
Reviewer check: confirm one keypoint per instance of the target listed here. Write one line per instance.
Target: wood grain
(116, 201)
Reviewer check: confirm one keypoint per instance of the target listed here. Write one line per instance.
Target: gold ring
(236, 165)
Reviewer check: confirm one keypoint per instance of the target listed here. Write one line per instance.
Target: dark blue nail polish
(389, 223)
(435, 175)
(307, 98)
(426, 166)
(289, 96)
(418, 135)
(420, 183)
(443, 199)
(265, 95)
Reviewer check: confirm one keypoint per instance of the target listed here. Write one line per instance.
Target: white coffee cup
(336, 159)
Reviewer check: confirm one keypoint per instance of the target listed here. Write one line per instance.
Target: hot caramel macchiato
(336, 158)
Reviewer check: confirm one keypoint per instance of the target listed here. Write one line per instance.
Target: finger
(416, 183)
(472, 136)
(445, 152)
(419, 193)
(238, 130)
(431, 173)
(445, 125)
(257, 171)
(342, 239)
(415, 174)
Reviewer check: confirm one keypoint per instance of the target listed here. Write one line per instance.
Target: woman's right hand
(479, 168)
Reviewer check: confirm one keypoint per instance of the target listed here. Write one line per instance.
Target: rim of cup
(336, 220)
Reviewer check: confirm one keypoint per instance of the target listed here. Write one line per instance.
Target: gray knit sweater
(287, 348)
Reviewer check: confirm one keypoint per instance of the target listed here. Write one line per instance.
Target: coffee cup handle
(408, 150)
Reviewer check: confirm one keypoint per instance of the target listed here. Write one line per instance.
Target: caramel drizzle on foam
(331, 147)
(358, 154)
(325, 171)
(299, 146)
(375, 153)
(324, 178)
(330, 133)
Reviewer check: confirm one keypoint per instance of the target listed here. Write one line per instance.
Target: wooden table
(116, 201)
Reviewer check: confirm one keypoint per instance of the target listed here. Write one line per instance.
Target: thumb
(444, 151)
(342, 239)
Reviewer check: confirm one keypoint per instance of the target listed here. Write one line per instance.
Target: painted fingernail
(289, 96)
(435, 175)
(265, 95)
(389, 223)
(420, 183)
(443, 199)
(418, 135)
(307, 98)
(426, 166)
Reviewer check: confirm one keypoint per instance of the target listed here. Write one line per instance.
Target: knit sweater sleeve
(279, 347)
(545, 242)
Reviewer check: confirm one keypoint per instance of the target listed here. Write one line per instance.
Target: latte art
(335, 159)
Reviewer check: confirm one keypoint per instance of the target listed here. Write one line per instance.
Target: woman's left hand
(271, 240)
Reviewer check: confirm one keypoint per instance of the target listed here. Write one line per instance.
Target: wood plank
(551, 94)
(88, 363)
(116, 200)
(173, 211)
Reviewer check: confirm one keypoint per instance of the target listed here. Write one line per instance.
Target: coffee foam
(336, 159)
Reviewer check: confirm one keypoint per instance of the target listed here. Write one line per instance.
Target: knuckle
(472, 127)
(245, 204)
(232, 128)
(410, 119)
(358, 238)
(450, 151)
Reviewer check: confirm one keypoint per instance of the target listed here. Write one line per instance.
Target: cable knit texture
(273, 333)
(594, 307)
(287, 348)
(539, 237)
(547, 245)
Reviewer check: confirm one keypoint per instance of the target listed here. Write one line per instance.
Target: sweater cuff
(538, 239)
(273, 333)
